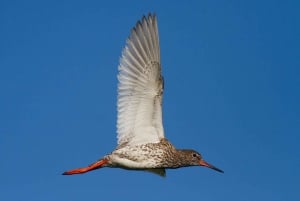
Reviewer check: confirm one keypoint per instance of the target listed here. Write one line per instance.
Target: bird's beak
(206, 164)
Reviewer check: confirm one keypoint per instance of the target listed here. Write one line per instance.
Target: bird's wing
(140, 86)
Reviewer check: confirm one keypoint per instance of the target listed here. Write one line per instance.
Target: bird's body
(141, 141)
(144, 156)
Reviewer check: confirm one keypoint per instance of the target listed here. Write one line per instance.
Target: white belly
(136, 158)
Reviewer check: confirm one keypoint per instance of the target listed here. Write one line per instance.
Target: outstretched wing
(140, 86)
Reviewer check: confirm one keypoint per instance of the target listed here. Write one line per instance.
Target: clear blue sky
(232, 92)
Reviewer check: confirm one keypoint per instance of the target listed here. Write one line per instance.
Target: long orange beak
(206, 164)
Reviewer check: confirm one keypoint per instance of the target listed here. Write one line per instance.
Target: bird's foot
(91, 167)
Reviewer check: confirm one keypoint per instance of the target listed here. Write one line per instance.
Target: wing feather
(140, 86)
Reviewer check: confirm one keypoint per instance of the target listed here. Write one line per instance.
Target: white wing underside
(140, 86)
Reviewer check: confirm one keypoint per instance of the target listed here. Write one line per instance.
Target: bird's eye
(194, 155)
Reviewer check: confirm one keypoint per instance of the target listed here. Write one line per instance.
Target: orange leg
(93, 166)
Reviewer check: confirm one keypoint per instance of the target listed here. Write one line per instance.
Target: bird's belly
(132, 158)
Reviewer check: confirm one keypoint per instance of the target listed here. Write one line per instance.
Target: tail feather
(91, 167)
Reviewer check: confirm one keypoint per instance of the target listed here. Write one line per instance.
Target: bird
(141, 140)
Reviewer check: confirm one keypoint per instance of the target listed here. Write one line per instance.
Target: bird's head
(195, 158)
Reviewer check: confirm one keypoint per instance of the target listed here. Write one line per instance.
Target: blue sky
(232, 84)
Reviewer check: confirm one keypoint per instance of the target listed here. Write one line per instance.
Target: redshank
(141, 141)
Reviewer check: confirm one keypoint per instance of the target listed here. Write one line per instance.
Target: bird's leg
(91, 167)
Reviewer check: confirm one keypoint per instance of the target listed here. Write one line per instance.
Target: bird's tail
(91, 167)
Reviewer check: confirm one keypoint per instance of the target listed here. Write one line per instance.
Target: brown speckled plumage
(164, 153)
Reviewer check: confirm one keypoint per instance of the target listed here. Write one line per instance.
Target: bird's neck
(178, 159)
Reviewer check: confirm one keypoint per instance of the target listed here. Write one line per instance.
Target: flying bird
(141, 140)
